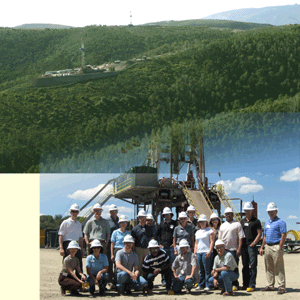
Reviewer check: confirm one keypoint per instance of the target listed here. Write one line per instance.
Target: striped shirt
(155, 262)
(273, 230)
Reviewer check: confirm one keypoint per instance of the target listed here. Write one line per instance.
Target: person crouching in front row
(184, 267)
(225, 270)
(157, 261)
(127, 263)
(67, 278)
(97, 267)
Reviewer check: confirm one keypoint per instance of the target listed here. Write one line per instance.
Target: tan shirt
(230, 233)
(70, 262)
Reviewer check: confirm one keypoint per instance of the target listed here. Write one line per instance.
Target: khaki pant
(274, 266)
(141, 253)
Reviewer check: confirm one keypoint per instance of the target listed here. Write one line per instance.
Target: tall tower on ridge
(130, 20)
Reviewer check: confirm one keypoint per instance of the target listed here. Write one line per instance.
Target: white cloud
(241, 185)
(291, 175)
(292, 217)
(89, 193)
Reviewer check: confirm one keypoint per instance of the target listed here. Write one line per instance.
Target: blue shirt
(118, 238)
(96, 265)
(273, 230)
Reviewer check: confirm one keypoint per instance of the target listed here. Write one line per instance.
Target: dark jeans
(178, 284)
(170, 252)
(102, 282)
(235, 282)
(249, 258)
(225, 280)
(167, 275)
(205, 269)
(78, 254)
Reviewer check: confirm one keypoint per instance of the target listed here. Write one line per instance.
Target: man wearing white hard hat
(272, 245)
(157, 262)
(97, 228)
(71, 229)
(142, 234)
(225, 270)
(232, 234)
(183, 231)
(165, 236)
(128, 274)
(149, 222)
(68, 280)
(253, 231)
(113, 221)
(184, 268)
(97, 267)
(191, 212)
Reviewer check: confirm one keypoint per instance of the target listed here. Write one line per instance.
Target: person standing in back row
(273, 242)
(252, 230)
(71, 229)
(232, 234)
(97, 228)
(142, 234)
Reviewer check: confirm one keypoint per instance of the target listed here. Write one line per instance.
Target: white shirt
(203, 240)
(230, 233)
(70, 230)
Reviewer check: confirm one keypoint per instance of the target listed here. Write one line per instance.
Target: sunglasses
(219, 248)
(154, 249)
(214, 220)
(181, 219)
(96, 248)
(74, 211)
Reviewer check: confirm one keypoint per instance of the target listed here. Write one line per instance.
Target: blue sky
(268, 177)
(117, 12)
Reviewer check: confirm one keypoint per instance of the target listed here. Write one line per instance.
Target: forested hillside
(207, 73)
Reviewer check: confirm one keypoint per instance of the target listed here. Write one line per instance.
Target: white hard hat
(191, 208)
(219, 242)
(73, 244)
(142, 213)
(97, 206)
(272, 206)
(96, 243)
(228, 210)
(153, 244)
(74, 207)
(122, 218)
(202, 218)
(149, 217)
(167, 211)
(128, 239)
(214, 216)
(113, 207)
(183, 243)
(248, 206)
(182, 215)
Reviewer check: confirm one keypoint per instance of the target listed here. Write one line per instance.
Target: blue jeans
(178, 284)
(123, 279)
(225, 279)
(102, 283)
(235, 282)
(170, 252)
(249, 257)
(205, 269)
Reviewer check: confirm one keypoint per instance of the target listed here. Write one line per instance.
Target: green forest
(212, 74)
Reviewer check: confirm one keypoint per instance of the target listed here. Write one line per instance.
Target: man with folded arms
(273, 242)
(157, 262)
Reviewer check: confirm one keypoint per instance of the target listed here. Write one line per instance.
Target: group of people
(191, 252)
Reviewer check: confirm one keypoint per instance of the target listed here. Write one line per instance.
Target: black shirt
(165, 233)
(142, 235)
(250, 230)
